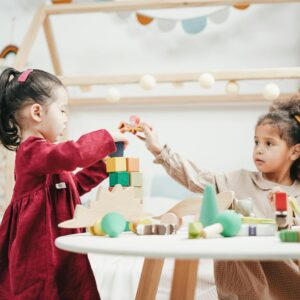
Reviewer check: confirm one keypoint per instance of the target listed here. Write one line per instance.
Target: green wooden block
(121, 178)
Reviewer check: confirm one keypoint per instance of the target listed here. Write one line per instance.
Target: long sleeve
(187, 173)
(90, 177)
(46, 158)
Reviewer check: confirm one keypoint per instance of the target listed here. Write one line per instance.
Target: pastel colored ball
(113, 224)
(113, 95)
(231, 223)
(232, 88)
(148, 82)
(271, 92)
(206, 80)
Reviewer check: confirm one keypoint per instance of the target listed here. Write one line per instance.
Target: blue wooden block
(120, 150)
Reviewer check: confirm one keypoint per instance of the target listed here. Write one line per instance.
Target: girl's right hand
(150, 138)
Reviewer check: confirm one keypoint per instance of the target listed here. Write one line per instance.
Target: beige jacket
(241, 280)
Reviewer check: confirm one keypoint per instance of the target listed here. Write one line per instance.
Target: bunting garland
(192, 25)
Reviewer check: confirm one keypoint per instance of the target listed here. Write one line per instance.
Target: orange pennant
(143, 19)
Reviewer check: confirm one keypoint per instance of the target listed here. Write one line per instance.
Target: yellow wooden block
(136, 179)
(115, 164)
(132, 164)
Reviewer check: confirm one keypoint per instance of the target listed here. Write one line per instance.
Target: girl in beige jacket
(276, 155)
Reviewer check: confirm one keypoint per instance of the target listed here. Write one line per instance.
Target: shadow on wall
(164, 186)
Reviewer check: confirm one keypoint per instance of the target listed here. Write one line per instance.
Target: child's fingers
(141, 137)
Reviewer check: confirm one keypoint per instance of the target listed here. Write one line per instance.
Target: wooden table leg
(184, 279)
(149, 279)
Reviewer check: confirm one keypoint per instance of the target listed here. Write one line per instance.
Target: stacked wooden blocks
(126, 172)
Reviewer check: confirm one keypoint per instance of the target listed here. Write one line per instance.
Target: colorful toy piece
(289, 236)
(281, 201)
(281, 214)
(155, 229)
(227, 224)
(121, 178)
(120, 150)
(113, 224)
(115, 164)
(195, 230)
(133, 126)
(209, 209)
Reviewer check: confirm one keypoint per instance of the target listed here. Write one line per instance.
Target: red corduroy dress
(45, 194)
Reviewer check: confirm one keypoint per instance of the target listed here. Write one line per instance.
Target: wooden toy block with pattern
(115, 164)
(136, 179)
(132, 164)
(121, 178)
(120, 200)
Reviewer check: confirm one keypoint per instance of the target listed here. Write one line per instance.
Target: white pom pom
(206, 80)
(232, 88)
(113, 95)
(148, 82)
(271, 92)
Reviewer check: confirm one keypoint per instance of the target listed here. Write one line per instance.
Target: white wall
(217, 137)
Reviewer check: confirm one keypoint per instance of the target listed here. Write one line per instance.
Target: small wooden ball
(148, 82)
(206, 80)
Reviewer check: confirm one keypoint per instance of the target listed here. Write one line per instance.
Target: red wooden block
(281, 201)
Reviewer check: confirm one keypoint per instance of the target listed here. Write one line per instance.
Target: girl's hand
(271, 197)
(150, 138)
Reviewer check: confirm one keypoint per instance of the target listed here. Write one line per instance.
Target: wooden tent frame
(181, 287)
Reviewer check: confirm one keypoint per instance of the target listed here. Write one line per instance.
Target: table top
(179, 246)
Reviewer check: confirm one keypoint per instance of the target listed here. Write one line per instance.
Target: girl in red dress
(32, 113)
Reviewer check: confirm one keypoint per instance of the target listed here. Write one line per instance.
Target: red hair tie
(23, 77)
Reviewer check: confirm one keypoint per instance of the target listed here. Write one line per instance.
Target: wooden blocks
(121, 178)
(136, 179)
(125, 172)
(132, 164)
(115, 164)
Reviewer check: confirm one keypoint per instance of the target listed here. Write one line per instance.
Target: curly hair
(285, 115)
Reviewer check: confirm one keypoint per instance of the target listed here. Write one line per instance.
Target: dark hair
(37, 88)
(282, 115)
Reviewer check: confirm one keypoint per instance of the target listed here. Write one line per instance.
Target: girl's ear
(295, 154)
(36, 111)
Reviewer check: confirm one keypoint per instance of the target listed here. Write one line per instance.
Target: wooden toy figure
(133, 126)
(281, 205)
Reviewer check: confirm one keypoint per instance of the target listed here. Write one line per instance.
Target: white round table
(186, 252)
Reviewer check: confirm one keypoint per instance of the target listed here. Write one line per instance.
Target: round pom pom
(271, 92)
(232, 88)
(206, 80)
(230, 221)
(113, 224)
(148, 82)
(113, 95)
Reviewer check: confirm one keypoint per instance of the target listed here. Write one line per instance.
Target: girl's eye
(269, 144)
(256, 143)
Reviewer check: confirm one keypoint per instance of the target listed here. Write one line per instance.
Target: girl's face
(55, 116)
(271, 153)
